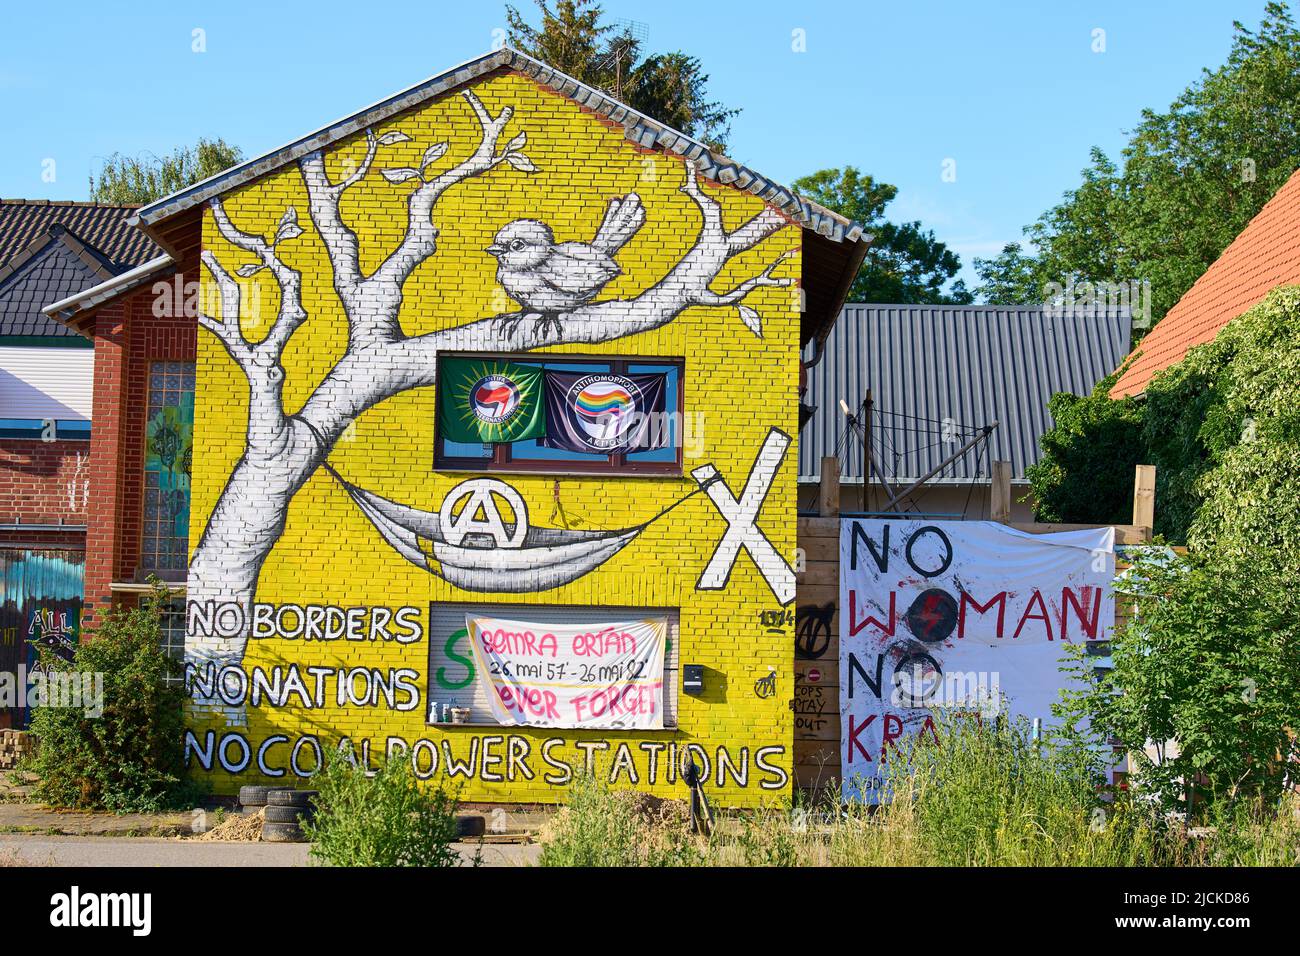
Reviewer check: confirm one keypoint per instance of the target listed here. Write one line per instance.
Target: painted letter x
(741, 516)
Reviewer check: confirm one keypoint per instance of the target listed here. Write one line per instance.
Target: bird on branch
(548, 278)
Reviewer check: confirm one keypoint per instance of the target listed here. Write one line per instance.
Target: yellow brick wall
(330, 553)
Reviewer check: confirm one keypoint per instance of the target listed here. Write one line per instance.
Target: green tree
(574, 37)
(142, 179)
(1085, 474)
(1208, 662)
(1008, 278)
(905, 262)
(1222, 428)
(1191, 177)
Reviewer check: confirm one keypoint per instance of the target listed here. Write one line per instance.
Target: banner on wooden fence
(967, 616)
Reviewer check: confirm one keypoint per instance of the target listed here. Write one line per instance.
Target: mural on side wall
(359, 583)
(555, 283)
(40, 621)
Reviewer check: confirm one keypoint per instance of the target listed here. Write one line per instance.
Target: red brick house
(144, 363)
(48, 251)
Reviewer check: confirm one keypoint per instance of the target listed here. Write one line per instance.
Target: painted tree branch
(381, 362)
(373, 302)
(363, 379)
(323, 199)
(421, 239)
(269, 431)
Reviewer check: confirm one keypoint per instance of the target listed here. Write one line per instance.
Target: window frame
(616, 464)
(168, 575)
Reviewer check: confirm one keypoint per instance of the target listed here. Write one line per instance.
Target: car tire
(252, 796)
(292, 815)
(282, 833)
(291, 798)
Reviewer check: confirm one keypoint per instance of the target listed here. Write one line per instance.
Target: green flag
(482, 400)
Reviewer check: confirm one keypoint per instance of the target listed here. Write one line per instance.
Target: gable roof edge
(637, 127)
(70, 310)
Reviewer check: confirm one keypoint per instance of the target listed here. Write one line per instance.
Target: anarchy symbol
(482, 494)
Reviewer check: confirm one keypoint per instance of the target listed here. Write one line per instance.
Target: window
(569, 415)
(172, 624)
(169, 438)
(452, 681)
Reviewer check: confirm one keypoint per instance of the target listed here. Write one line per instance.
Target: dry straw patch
(246, 828)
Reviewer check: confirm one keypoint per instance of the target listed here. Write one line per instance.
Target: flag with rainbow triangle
(603, 413)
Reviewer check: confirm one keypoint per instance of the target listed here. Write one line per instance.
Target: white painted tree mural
(282, 449)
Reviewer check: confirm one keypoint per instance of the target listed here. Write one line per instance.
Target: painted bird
(549, 278)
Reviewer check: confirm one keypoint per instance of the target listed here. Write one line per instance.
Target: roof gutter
(66, 310)
(841, 296)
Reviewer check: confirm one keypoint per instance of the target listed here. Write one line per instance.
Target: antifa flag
(603, 413)
(487, 401)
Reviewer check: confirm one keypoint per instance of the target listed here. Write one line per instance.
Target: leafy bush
(1086, 472)
(387, 819)
(1222, 427)
(1209, 661)
(131, 757)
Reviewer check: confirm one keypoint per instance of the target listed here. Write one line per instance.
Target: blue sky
(1011, 90)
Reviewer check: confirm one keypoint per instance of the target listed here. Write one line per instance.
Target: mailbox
(693, 679)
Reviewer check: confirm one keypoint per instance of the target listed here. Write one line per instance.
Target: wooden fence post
(1000, 492)
(1144, 498)
(828, 504)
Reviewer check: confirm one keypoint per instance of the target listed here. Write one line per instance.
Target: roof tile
(1264, 255)
(99, 225)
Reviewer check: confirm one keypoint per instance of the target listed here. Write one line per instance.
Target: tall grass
(603, 827)
(979, 795)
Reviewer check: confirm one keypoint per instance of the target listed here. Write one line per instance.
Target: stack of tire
(283, 809)
(253, 799)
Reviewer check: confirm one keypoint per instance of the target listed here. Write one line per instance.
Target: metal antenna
(861, 426)
(630, 33)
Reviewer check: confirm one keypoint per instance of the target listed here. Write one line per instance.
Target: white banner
(608, 675)
(965, 615)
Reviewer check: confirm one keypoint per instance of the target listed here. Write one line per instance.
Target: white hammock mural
(512, 557)
(542, 559)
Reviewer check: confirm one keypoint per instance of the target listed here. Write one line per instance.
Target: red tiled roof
(100, 225)
(1264, 255)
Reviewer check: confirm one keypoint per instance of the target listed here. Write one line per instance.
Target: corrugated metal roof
(967, 366)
